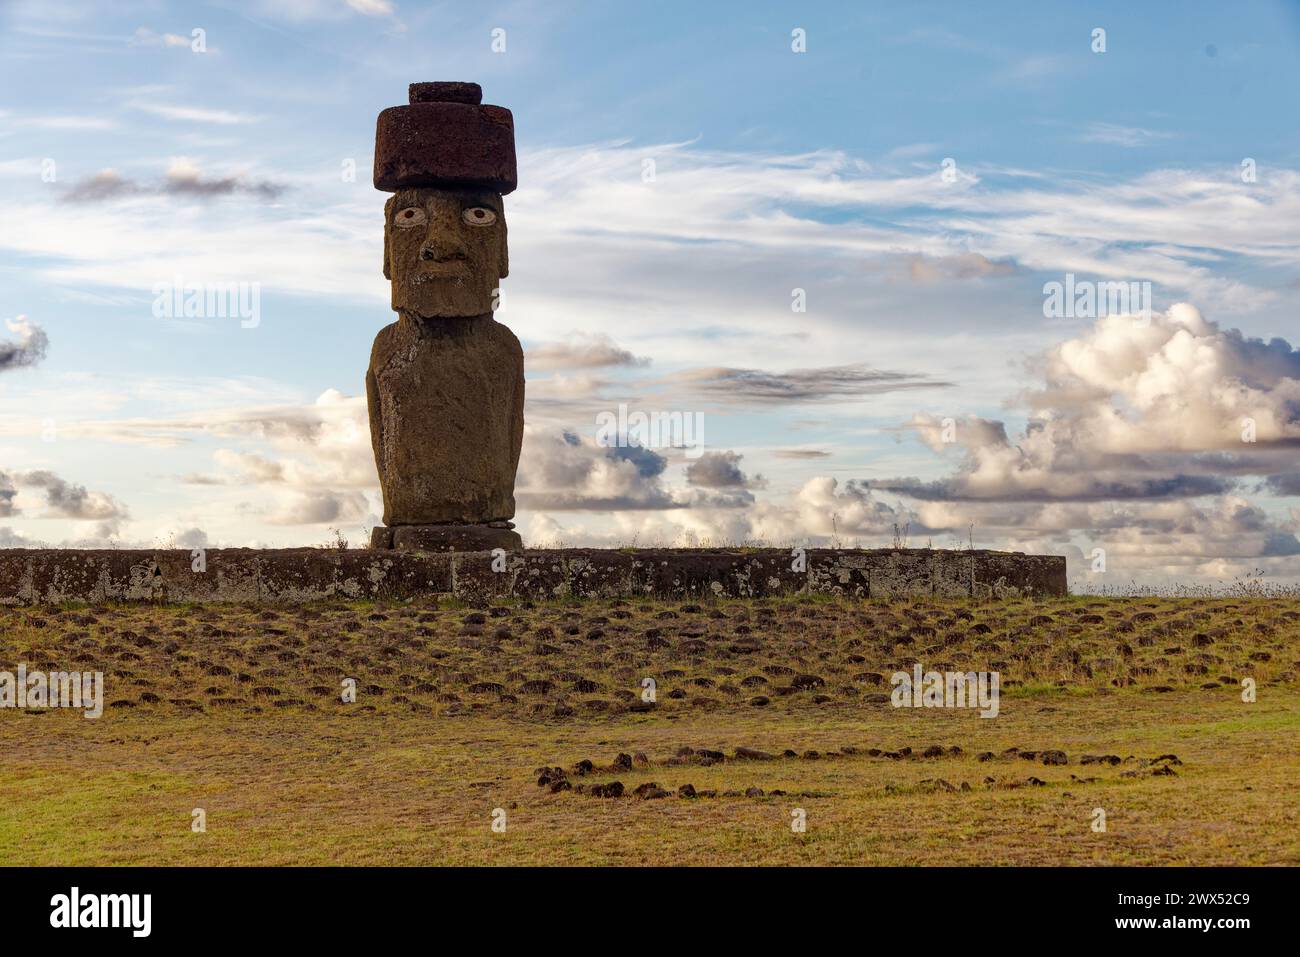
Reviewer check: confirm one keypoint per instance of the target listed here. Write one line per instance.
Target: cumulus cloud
(62, 500)
(1284, 483)
(249, 468)
(320, 467)
(1131, 409)
(13, 539)
(1177, 383)
(8, 492)
(319, 507)
(65, 499)
(821, 512)
(721, 470)
(29, 347)
(1140, 438)
(191, 538)
(562, 471)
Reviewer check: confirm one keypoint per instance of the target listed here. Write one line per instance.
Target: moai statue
(445, 385)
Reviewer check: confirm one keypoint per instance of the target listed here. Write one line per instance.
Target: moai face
(445, 251)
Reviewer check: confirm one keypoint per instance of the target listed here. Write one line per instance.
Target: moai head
(448, 160)
(445, 251)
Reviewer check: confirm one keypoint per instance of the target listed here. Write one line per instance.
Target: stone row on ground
(289, 576)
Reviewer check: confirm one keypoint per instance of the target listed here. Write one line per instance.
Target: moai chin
(445, 387)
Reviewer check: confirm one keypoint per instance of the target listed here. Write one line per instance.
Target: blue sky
(774, 170)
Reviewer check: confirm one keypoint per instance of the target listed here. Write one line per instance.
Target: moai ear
(388, 209)
(505, 250)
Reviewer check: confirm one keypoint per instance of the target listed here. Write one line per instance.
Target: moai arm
(373, 407)
(376, 413)
(517, 413)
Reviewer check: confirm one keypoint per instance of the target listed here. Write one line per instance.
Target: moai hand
(445, 385)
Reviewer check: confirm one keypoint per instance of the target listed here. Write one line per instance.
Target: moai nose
(441, 251)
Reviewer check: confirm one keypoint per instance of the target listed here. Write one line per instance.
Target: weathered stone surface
(839, 572)
(35, 576)
(227, 574)
(444, 538)
(445, 138)
(445, 386)
(952, 573)
(446, 404)
(896, 574)
(15, 576)
(445, 252)
(1005, 574)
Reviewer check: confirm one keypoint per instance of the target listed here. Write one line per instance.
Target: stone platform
(289, 576)
(446, 538)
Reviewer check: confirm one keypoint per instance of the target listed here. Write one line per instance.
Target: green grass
(412, 772)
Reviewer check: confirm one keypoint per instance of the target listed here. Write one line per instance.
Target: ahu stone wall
(38, 576)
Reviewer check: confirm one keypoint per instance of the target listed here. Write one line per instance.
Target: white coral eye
(479, 216)
(411, 216)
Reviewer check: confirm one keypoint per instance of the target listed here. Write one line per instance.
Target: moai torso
(446, 403)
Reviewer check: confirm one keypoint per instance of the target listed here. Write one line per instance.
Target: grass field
(238, 711)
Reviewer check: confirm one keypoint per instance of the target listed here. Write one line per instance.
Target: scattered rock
(547, 776)
(1111, 759)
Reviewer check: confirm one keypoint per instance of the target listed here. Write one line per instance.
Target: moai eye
(411, 216)
(479, 216)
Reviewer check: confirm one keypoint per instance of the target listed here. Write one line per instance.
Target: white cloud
(372, 8)
(1116, 135)
(193, 114)
(29, 348)
(145, 37)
